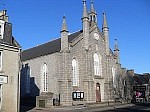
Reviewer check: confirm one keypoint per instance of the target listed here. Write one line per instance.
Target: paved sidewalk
(58, 109)
(101, 109)
(80, 108)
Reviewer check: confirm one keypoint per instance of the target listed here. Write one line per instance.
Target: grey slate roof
(8, 39)
(47, 48)
(12, 43)
(142, 79)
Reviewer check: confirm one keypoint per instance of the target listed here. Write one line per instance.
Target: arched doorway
(98, 93)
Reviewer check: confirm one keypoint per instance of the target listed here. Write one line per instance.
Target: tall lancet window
(75, 73)
(94, 18)
(97, 65)
(113, 75)
(44, 78)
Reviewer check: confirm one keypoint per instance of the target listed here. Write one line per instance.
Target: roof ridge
(46, 48)
(54, 39)
(74, 32)
(42, 44)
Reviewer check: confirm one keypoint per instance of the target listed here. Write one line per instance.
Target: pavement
(80, 108)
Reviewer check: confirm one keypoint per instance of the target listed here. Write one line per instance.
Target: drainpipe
(18, 88)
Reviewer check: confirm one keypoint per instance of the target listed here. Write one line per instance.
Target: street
(139, 107)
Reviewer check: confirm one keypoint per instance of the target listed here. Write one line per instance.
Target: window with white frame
(113, 75)
(1, 28)
(97, 65)
(44, 78)
(75, 72)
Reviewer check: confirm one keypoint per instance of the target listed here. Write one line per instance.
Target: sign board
(139, 88)
(3, 79)
(78, 95)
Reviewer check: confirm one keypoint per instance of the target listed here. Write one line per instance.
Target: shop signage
(3, 79)
(78, 95)
(139, 88)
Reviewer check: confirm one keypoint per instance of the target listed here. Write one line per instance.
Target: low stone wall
(44, 100)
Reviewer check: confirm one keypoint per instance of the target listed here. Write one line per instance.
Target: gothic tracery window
(97, 65)
(75, 73)
(44, 78)
(113, 75)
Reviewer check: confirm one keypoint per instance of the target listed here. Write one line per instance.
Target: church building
(76, 68)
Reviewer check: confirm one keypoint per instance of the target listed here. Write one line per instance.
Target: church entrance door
(98, 93)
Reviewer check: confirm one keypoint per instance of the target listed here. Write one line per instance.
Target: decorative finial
(84, 1)
(104, 13)
(85, 14)
(116, 45)
(64, 24)
(92, 7)
(64, 17)
(104, 21)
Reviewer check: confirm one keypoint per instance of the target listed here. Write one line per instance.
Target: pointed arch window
(75, 73)
(90, 18)
(97, 65)
(94, 18)
(113, 75)
(44, 78)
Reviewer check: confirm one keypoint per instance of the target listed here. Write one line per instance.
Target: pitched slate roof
(12, 43)
(142, 79)
(8, 39)
(47, 48)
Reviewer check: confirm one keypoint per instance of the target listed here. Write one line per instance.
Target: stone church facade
(76, 68)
